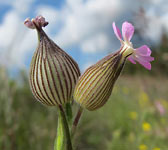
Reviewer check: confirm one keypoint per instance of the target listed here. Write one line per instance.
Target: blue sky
(81, 27)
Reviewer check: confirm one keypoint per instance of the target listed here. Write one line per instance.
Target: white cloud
(78, 22)
(83, 20)
(20, 6)
(157, 18)
(50, 13)
(8, 36)
(98, 42)
(8, 28)
(13, 48)
(14, 41)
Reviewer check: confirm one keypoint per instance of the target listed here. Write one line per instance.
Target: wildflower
(95, 86)
(160, 107)
(156, 148)
(141, 54)
(164, 102)
(143, 147)
(163, 121)
(133, 115)
(146, 126)
(143, 99)
(125, 90)
(132, 137)
(53, 73)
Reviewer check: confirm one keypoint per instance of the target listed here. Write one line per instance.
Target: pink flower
(160, 108)
(37, 22)
(141, 54)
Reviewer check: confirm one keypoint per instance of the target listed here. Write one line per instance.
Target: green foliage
(24, 123)
(128, 121)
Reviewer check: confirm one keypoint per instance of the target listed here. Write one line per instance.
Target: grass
(130, 120)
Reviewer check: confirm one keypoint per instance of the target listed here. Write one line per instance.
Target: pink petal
(131, 59)
(127, 31)
(143, 60)
(160, 108)
(40, 20)
(144, 50)
(146, 58)
(117, 31)
(29, 24)
(146, 64)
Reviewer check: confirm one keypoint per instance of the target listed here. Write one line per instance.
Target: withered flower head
(53, 73)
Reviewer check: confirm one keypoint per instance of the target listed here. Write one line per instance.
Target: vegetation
(130, 120)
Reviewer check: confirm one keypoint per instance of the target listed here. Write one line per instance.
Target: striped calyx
(95, 86)
(53, 73)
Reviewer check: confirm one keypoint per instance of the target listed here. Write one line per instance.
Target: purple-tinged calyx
(37, 22)
(141, 54)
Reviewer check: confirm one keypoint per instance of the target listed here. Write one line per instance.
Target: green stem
(65, 129)
(76, 121)
(68, 111)
(60, 138)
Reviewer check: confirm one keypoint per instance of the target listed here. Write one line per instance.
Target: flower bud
(53, 73)
(95, 86)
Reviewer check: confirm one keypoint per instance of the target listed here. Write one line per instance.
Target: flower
(95, 85)
(53, 73)
(39, 22)
(160, 108)
(141, 54)
(146, 126)
(143, 147)
(143, 99)
(156, 148)
(133, 115)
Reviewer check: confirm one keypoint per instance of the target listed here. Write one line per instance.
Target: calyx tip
(36, 23)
